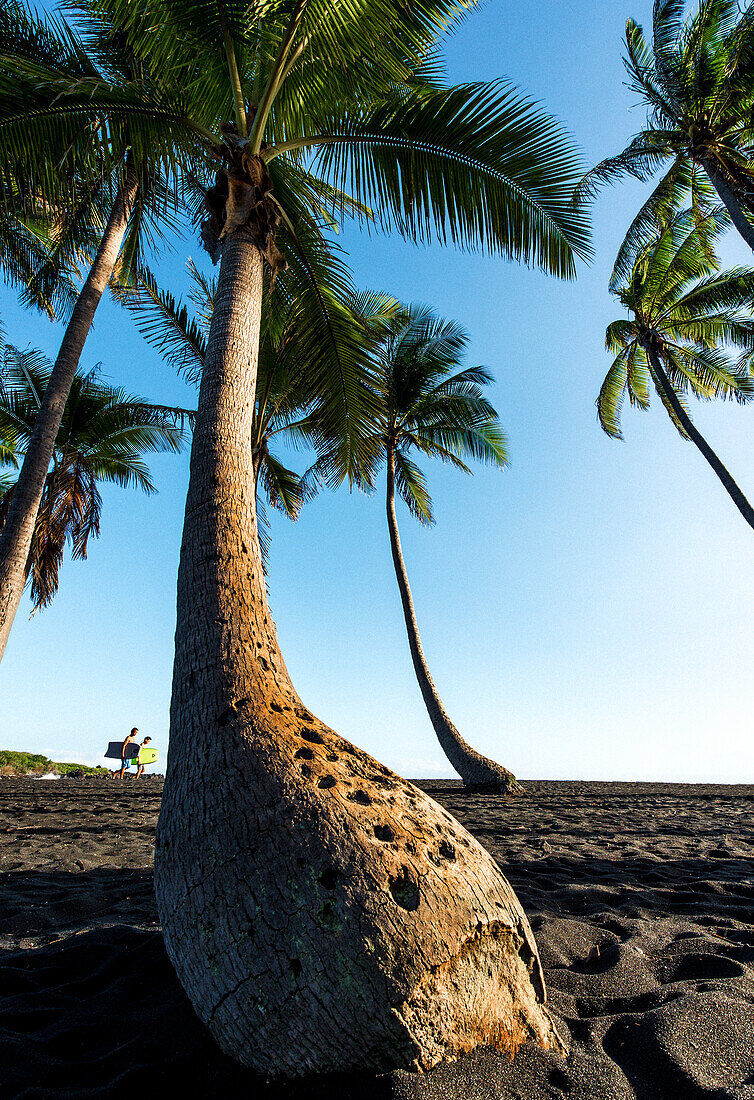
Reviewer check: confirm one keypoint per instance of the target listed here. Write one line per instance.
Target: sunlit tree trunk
(474, 769)
(697, 438)
(18, 530)
(732, 202)
(322, 913)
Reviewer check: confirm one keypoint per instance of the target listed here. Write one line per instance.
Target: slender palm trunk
(18, 530)
(731, 201)
(474, 769)
(322, 913)
(696, 437)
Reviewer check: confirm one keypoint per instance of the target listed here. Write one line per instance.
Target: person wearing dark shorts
(125, 762)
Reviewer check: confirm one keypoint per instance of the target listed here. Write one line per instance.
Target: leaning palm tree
(696, 79)
(101, 181)
(322, 913)
(427, 405)
(684, 315)
(103, 436)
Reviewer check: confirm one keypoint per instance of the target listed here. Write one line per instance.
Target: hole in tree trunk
(329, 878)
(313, 736)
(405, 891)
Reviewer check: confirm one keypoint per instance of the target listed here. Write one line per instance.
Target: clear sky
(587, 613)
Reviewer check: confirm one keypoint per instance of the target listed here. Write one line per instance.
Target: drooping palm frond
(475, 165)
(165, 324)
(282, 487)
(412, 488)
(202, 293)
(681, 181)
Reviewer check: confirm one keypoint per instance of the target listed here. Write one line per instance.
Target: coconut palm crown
(696, 79)
(428, 407)
(685, 316)
(104, 434)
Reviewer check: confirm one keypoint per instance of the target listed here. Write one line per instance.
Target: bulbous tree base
(483, 776)
(505, 787)
(325, 915)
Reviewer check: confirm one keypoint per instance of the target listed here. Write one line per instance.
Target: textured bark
(474, 769)
(322, 913)
(731, 201)
(18, 530)
(697, 438)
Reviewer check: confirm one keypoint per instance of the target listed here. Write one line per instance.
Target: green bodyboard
(148, 755)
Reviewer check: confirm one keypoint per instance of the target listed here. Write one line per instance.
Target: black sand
(641, 897)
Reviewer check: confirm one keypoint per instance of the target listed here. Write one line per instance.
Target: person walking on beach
(124, 760)
(139, 766)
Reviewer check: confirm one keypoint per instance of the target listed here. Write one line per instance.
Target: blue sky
(586, 613)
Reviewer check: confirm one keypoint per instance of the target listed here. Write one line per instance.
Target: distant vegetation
(30, 763)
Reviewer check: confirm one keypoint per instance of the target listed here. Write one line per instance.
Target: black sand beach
(641, 897)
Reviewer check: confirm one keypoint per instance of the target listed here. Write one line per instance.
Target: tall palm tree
(101, 180)
(321, 913)
(428, 405)
(103, 436)
(684, 314)
(696, 79)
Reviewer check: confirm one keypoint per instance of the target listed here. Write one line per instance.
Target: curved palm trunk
(696, 437)
(731, 201)
(18, 530)
(474, 769)
(322, 913)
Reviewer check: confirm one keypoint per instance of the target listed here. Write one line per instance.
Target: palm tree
(684, 312)
(697, 82)
(321, 913)
(425, 408)
(102, 437)
(101, 181)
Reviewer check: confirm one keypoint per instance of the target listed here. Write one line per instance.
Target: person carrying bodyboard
(147, 755)
(126, 756)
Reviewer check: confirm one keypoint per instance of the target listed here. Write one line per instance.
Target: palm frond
(412, 488)
(478, 165)
(165, 324)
